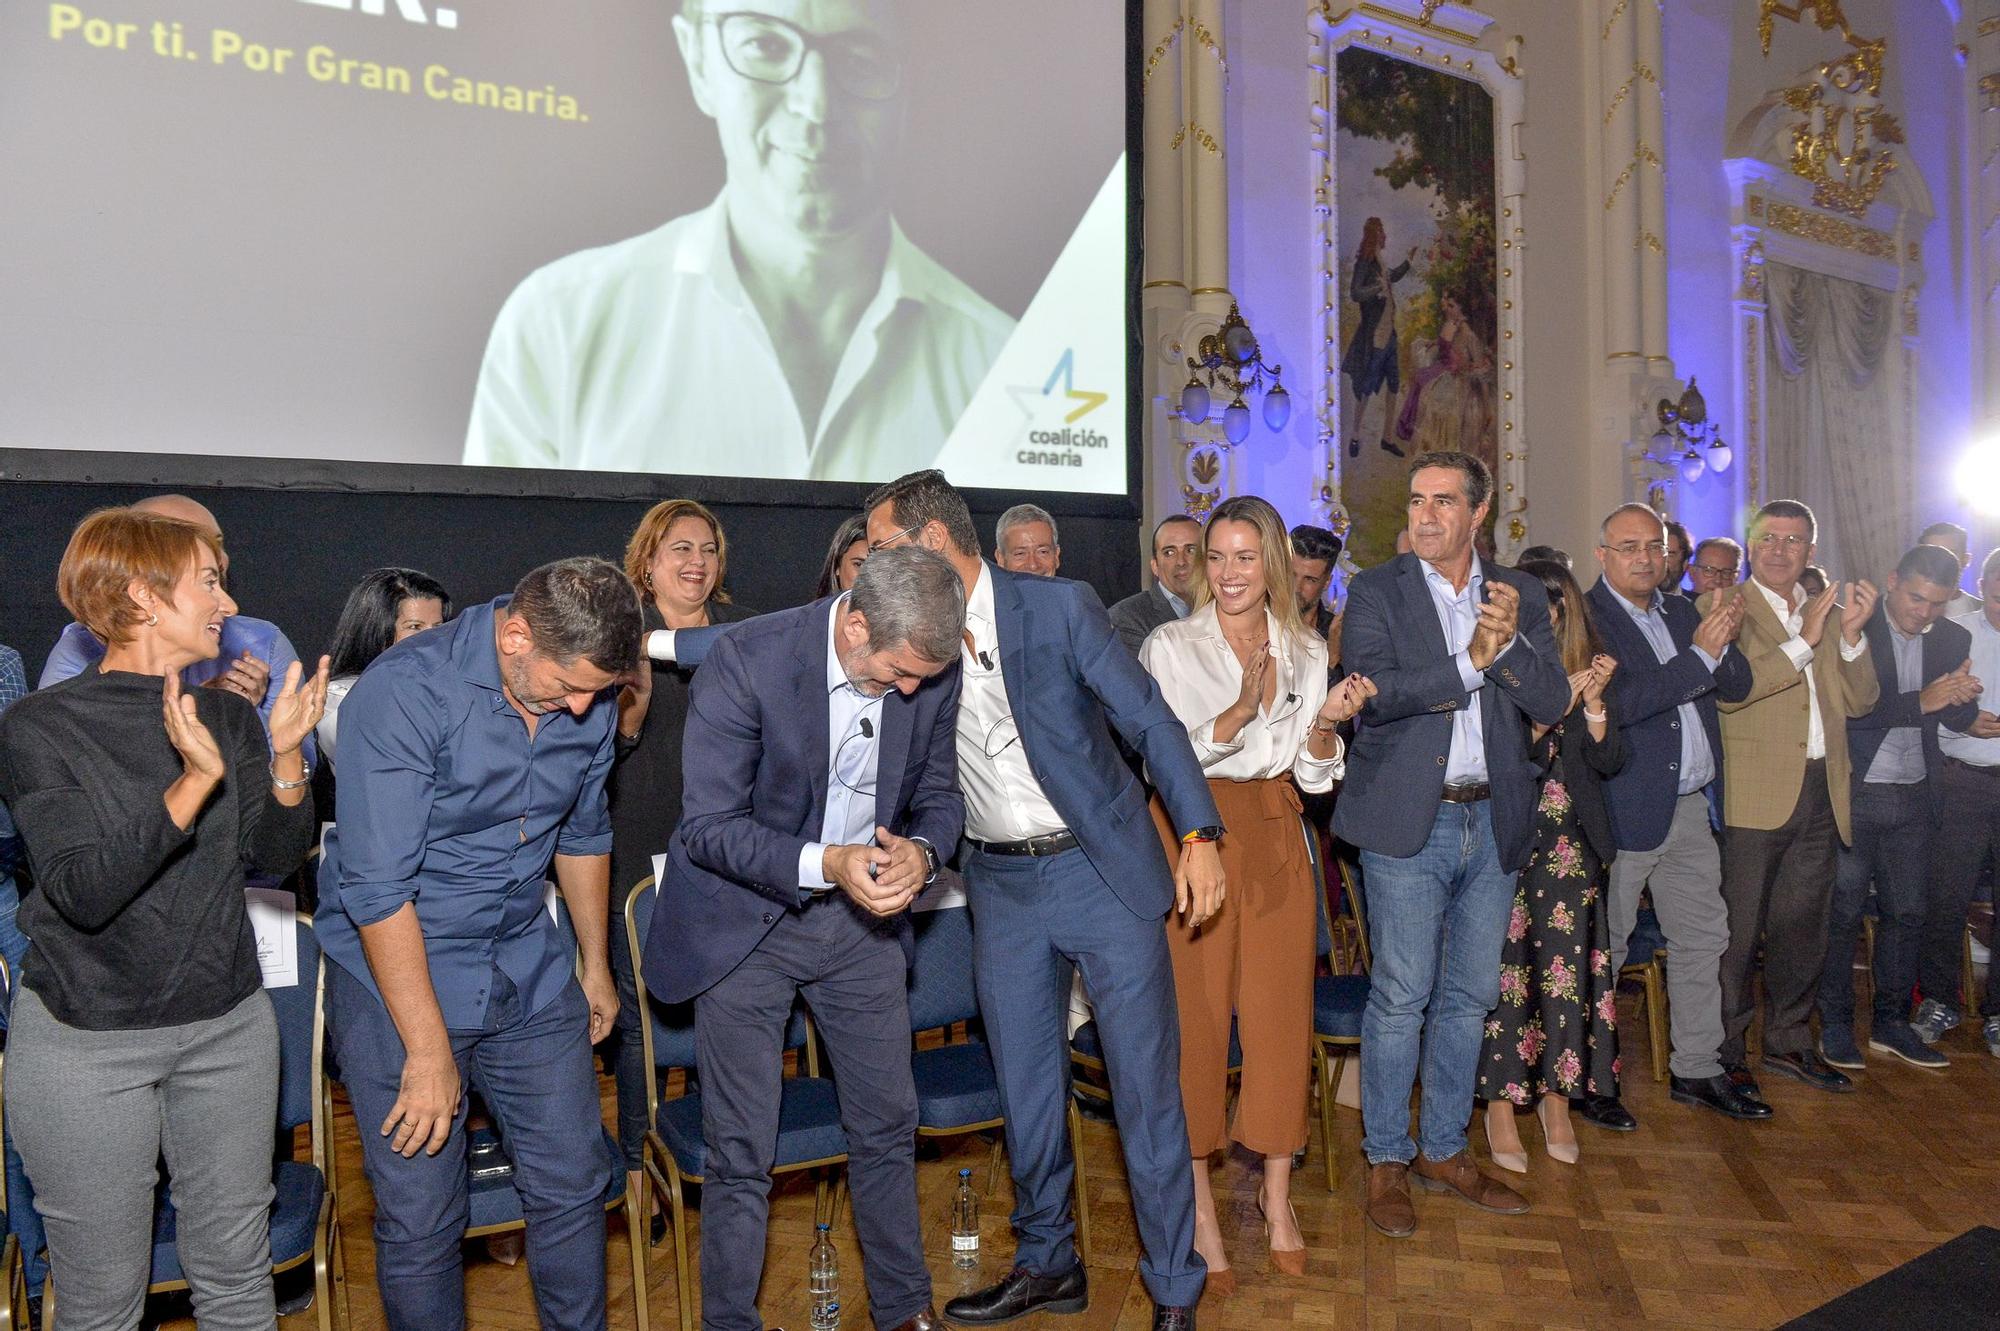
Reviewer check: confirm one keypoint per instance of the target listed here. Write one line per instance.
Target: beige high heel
(1513, 1161)
(1286, 1261)
(1565, 1152)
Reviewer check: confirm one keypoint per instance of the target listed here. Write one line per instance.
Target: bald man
(254, 651)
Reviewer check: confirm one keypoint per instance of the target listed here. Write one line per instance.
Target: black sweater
(135, 924)
(645, 786)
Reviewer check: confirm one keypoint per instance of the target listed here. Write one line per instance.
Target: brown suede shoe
(1389, 1208)
(1461, 1176)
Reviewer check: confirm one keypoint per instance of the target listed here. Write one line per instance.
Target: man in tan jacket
(1785, 808)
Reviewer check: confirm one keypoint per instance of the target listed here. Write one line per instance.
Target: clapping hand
(1960, 686)
(1499, 616)
(200, 757)
(1346, 699)
(1251, 696)
(1813, 617)
(298, 709)
(1722, 623)
(1596, 679)
(1333, 638)
(1860, 598)
(248, 676)
(1985, 726)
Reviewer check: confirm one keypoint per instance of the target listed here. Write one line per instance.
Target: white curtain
(1836, 435)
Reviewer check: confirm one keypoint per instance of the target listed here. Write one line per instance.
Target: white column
(1202, 149)
(1164, 203)
(1621, 87)
(1649, 177)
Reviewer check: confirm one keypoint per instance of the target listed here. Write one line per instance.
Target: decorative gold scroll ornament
(1839, 143)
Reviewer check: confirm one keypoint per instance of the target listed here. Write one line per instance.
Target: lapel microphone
(867, 729)
(985, 661)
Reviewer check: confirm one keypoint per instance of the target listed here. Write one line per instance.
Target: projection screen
(781, 240)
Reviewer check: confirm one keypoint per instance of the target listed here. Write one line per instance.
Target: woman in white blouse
(1250, 682)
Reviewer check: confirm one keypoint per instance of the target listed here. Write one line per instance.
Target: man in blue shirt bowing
(470, 758)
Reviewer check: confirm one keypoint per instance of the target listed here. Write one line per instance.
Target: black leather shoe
(1022, 1292)
(1811, 1069)
(1173, 1319)
(1717, 1093)
(1607, 1111)
(1743, 1080)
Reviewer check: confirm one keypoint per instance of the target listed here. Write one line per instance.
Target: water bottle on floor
(965, 1222)
(823, 1280)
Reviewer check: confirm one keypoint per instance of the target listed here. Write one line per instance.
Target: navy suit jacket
(1068, 675)
(1395, 768)
(1647, 696)
(755, 766)
(1945, 649)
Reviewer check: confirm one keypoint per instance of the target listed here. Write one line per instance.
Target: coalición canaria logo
(1053, 447)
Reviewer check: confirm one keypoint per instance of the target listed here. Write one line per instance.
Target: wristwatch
(1211, 833)
(930, 858)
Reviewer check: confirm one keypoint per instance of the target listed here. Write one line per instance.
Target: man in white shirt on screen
(789, 329)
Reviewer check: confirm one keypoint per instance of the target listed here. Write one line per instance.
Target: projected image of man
(789, 329)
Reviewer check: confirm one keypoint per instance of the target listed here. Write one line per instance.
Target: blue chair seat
(494, 1200)
(808, 1126)
(956, 1085)
(1647, 938)
(294, 1219)
(1338, 1002)
(1087, 1042)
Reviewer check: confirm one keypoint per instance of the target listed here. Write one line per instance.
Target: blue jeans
(1893, 833)
(1436, 922)
(534, 1071)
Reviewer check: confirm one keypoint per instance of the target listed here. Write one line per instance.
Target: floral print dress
(1555, 1027)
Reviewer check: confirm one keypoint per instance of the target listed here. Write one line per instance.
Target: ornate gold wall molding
(1840, 139)
(1835, 231)
(1191, 130)
(1826, 13)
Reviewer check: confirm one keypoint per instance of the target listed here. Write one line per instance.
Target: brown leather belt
(1975, 768)
(1052, 843)
(1471, 793)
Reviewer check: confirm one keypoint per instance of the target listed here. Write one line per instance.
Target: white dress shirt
(853, 743)
(1003, 801)
(1201, 678)
(1986, 669)
(1458, 616)
(1800, 653)
(648, 355)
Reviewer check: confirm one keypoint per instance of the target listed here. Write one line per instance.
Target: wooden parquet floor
(1691, 1222)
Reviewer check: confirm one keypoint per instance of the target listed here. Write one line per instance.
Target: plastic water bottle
(965, 1223)
(823, 1280)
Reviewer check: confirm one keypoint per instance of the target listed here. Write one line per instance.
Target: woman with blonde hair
(1553, 1037)
(678, 558)
(1249, 681)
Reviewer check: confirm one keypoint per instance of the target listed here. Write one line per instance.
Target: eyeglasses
(1773, 541)
(887, 541)
(1633, 549)
(764, 49)
(1713, 570)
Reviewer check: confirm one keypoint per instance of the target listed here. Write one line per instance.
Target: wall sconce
(1228, 362)
(1683, 426)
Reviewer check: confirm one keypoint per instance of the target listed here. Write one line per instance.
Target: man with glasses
(790, 327)
(828, 756)
(1673, 666)
(1717, 563)
(1786, 804)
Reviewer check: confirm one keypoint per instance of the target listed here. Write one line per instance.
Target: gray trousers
(855, 977)
(93, 1112)
(1685, 875)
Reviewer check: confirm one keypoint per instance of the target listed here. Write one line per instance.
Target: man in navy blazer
(1440, 797)
(822, 774)
(1063, 861)
(1924, 664)
(1673, 664)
